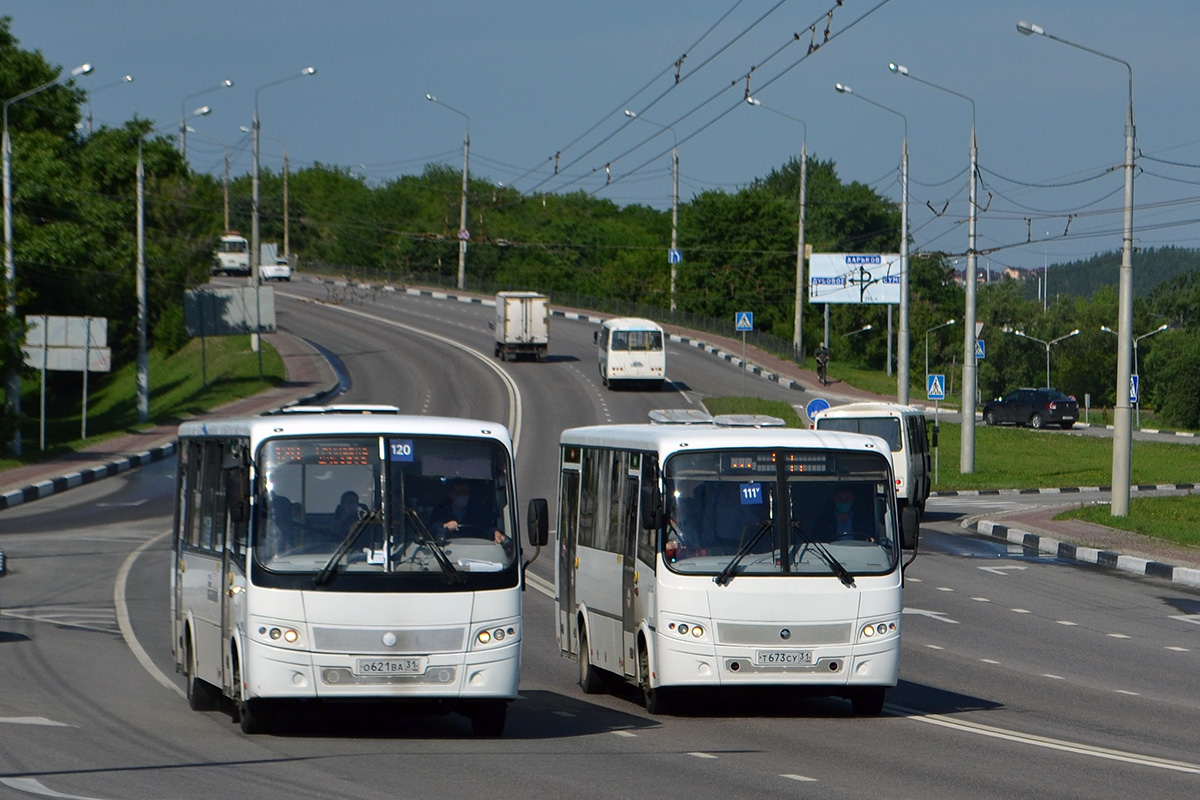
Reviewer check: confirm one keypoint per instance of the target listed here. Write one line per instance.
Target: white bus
(232, 256)
(631, 351)
(705, 556)
(311, 563)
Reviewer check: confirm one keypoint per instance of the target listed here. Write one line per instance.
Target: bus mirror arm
(653, 517)
(237, 496)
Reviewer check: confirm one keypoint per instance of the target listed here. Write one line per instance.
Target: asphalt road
(1021, 676)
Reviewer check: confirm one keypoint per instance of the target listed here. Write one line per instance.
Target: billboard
(229, 311)
(854, 278)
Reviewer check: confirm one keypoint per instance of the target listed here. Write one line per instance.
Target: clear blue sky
(536, 76)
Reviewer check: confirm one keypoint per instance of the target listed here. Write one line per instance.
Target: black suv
(1035, 407)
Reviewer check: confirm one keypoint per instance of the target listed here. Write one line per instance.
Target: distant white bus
(232, 256)
(705, 556)
(631, 351)
(310, 563)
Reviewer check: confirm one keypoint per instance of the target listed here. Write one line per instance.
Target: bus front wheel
(590, 680)
(655, 700)
(868, 701)
(488, 717)
(248, 712)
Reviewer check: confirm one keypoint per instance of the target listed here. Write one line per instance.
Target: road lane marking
(34, 786)
(701, 755)
(1066, 622)
(940, 616)
(800, 778)
(1002, 571)
(34, 721)
(1117, 636)
(989, 661)
(1020, 610)
(123, 622)
(981, 600)
(626, 734)
(1044, 742)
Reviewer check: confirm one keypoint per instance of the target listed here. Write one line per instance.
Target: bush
(169, 333)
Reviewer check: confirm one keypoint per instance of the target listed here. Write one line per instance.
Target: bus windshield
(725, 516)
(637, 340)
(886, 428)
(408, 511)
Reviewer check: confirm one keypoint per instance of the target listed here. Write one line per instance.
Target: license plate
(783, 658)
(389, 666)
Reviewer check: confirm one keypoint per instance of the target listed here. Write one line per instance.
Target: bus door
(630, 524)
(568, 537)
(233, 505)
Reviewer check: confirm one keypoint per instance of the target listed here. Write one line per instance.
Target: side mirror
(491, 325)
(595, 337)
(3, 565)
(934, 438)
(539, 522)
(652, 512)
(237, 496)
(910, 527)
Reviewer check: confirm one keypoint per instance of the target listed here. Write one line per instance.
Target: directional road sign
(815, 406)
(674, 256)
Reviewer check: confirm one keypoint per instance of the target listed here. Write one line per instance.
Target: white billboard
(854, 278)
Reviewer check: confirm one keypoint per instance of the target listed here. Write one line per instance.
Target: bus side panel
(200, 579)
(598, 582)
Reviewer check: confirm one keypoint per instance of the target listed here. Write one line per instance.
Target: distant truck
(522, 325)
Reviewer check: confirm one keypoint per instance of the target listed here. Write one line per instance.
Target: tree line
(75, 247)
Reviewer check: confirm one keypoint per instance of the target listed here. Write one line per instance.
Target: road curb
(62, 483)
(1110, 559)
(1141, 487)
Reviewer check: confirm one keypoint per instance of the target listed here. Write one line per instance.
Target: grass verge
(181, 384)
(1173, 519)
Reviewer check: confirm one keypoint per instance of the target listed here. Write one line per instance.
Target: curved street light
(13, 385)
(1047, 345)
(863, 329)
(1122, 418)
(674, 197)
(183, 129)
(123, 80)
(945, 324)
(463, 233)
(1136, 371)
(798, 316)
(902, 343)
(970, 378)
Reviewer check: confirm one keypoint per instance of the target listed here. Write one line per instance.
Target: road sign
(744, 320)
(464, 234)
(674, 256)
(935, 387)
(979, 348)
(815, 406)
(1133, 388)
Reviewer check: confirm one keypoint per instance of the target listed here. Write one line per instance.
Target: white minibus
(631, 351)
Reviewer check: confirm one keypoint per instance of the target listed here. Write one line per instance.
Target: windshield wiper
(326, 572)
(439, 555)
(842, 573)
(726, 575)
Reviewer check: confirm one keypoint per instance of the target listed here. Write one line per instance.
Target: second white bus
(631, 352)
(311, 563)
(707, 556)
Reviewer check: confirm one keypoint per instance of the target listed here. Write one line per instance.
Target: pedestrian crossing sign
(935, 386)
(744, 320)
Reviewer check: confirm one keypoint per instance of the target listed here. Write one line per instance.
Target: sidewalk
(309, 376)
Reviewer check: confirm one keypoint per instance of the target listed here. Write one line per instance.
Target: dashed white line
(803, 778)
(1020, 610)
(1066, 622)
(701, 755)
(981, 600)
(935, 647)
(626, 734)
(1117, 636)
(1053, 677)
(1126, 691)
(945, 589)
(989, 661)
(1178, 649)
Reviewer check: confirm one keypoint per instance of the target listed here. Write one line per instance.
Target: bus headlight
(279, 634)
(875, 629)
(686, 628)
(495, 636)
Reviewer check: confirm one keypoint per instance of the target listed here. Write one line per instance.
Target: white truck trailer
(522, 325)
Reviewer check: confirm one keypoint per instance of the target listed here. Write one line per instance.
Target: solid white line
(126, 626)
(34, 721)
(540, 584)
(34, 786)
(1046, 741)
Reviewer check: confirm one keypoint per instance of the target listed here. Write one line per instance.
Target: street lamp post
(674, 196)
(143, 355)
(1136, 371)
(798, 317)
(183, 128)
(10, 273)
(123, 80)
(463, 233)
(1122, 417)
(255, 256)
(902, 343)
(1047, 345)
(931, 330)
(863, 329)
(970, 377)
(286, 171)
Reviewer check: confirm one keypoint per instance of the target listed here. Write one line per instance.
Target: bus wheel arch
(655, 698)
(248, 712)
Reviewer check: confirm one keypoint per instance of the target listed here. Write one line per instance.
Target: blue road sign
(815, 406)
(935, 387)
(979, 348)
(674, 256)
(1133, 388)
(744, 320)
